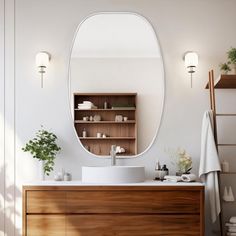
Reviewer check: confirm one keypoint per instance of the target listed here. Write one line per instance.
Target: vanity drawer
(133, 202)
(46, 202)
(135, 225)
(46, 225)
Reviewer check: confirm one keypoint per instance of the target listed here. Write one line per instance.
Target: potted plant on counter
(232, 58)
(225, 68)
(44, 148)
(182, 160)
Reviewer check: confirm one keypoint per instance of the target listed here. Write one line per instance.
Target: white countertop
(80, 183)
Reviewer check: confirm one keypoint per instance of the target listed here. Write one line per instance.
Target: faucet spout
(113, 155)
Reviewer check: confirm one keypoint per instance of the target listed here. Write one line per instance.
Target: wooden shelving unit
(222, 82)
(123, 133)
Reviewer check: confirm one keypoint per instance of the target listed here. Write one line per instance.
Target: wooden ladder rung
(224, 114)
(228, 173)
(226, 144)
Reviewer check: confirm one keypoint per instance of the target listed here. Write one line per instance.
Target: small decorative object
(86, 147)
(182, 160)
(232, 58)
(228, 195)
(44, 148)
(118, 118)
(105, 105)
(125, 118)
(84, 133)
(85, 118)
(57, 177)
(99, 135)
(225, 166)
(225, 68)
(104, 136)
(97, 118)
(120, 149)
(91, 118)
(67, 177)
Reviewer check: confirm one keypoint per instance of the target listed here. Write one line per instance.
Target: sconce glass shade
(191, 61)
(42, 59)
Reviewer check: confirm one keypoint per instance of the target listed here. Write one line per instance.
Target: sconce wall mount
(191, 61)
(42, 60)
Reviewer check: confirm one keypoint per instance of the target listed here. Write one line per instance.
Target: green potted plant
(232, 57)
(225, 68)
(44, 148)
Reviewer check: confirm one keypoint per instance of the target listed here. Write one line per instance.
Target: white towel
(232, 220)
(188, 177)
(172, 178)
(231, 234)
(210, 164)
(232, 230)
(230, 224)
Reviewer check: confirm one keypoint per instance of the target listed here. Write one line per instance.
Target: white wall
(143, 76)
(204, 26)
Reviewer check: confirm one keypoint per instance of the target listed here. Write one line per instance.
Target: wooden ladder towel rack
(224, 82)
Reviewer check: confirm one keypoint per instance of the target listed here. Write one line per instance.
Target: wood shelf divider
(105, 122)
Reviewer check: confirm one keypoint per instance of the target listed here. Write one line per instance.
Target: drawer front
(133, 202)
(128, 225)
(46, 202)
(46, 225)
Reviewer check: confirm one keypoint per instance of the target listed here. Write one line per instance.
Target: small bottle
(164, 168)
(105, 105)
(158, 166)
(84, 134)
(67, 177)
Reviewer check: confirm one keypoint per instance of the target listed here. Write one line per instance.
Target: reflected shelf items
(121, 132)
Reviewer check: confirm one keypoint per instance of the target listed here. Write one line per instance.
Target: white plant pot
(42, 177)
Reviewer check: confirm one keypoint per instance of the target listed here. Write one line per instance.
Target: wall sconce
(191, 62)
(42, 60)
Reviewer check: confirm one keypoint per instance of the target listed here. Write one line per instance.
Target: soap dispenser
(164, 168)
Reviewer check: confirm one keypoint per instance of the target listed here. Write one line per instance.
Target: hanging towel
(210, 165)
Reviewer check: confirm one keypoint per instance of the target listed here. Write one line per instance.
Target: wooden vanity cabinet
(113, 210)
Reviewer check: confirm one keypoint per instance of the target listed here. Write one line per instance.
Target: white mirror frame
(69, 87)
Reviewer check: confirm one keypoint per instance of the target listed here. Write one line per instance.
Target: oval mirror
(116, 84)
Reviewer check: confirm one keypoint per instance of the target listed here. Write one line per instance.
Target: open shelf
(224, 82)
(107, 138)
(105, 110)
(104, 122)
(108, 106)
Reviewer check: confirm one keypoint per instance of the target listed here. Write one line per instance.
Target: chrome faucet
(113, 155)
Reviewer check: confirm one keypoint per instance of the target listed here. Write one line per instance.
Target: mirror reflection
(116, 84)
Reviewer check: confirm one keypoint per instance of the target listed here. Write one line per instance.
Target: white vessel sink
(113, 174)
